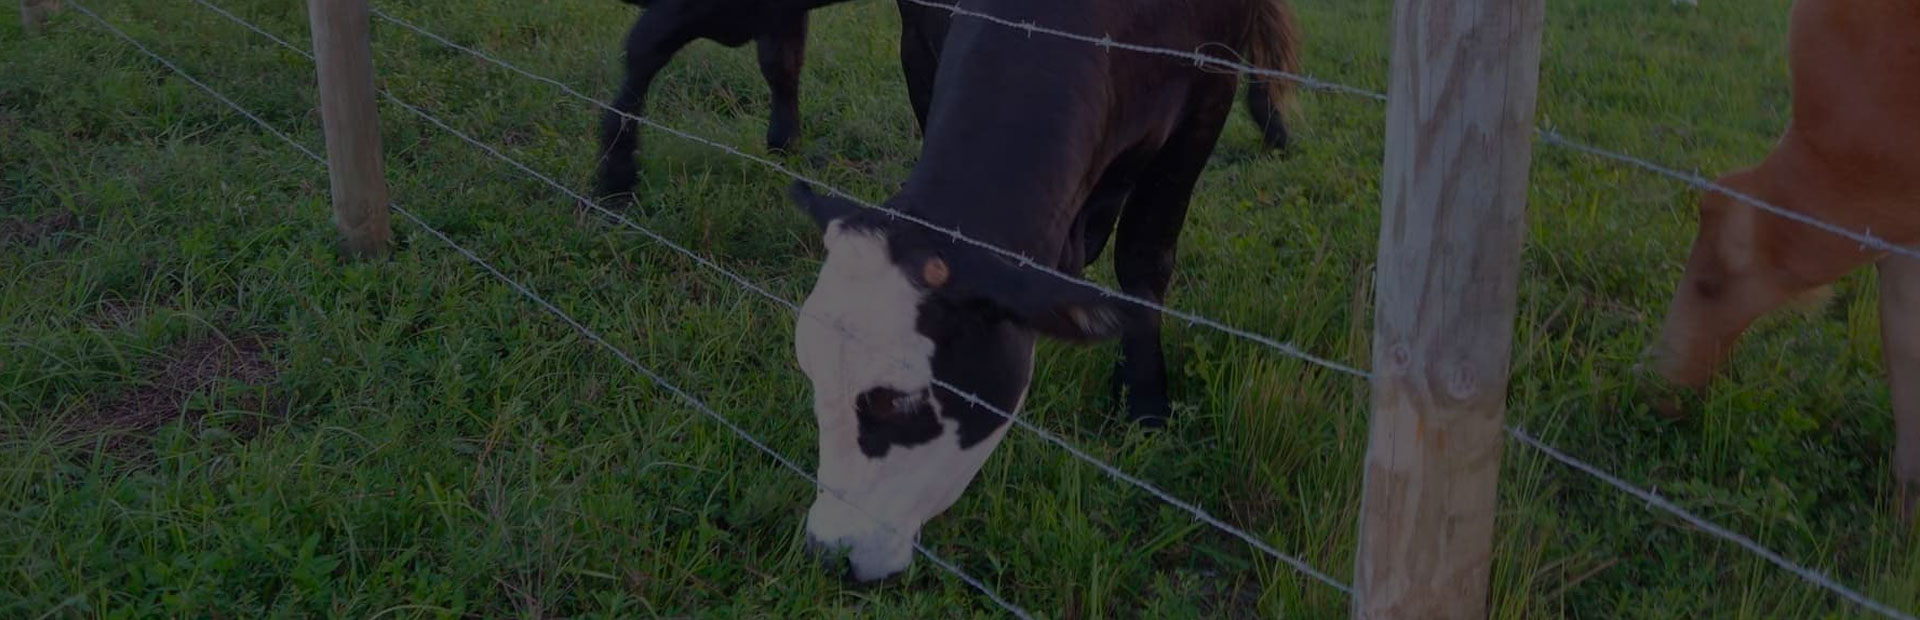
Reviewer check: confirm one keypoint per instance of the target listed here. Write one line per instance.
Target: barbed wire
(1811, 576)
(1112, 471)
(1517, 434)
(686, 398)
(1866, 239)
(1022, 259)
(1115, 472)
(1198, 59)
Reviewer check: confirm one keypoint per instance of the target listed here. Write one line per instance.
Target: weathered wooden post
(1459, 145)
(343, 58)
(33, 13)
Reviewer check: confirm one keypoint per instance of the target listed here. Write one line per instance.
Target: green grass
(426, 443)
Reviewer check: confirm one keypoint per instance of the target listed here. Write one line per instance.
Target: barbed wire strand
(1022, 259)
(685, 397)
(1811, 576)
(1717, 530)
(1020, 421)
(702, 407)
(1866, 239)
(1198, 59)
(1191, 509)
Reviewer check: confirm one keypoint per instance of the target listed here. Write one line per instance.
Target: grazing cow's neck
(1015, 141)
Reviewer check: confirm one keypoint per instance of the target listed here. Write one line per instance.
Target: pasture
(206, 412)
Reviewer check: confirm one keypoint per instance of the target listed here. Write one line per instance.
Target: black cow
(1038, 145)
(779, 29)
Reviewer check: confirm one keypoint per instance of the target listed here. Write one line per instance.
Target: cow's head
(894, 309)
(1744, 264)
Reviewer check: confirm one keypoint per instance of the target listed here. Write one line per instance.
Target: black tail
(1270, 118)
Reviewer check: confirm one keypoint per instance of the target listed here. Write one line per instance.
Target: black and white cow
(1039, 145)
(778, 29)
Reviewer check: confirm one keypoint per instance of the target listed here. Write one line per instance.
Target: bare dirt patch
(29, 231)
(195, 366)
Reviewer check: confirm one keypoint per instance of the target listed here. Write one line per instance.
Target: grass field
(204, 412)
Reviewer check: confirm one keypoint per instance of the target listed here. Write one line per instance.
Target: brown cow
(1850, 157)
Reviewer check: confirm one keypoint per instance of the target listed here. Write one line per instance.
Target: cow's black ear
(823, 209)
(1043, 302)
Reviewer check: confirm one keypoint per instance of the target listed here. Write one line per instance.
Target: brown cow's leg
(1900, 334)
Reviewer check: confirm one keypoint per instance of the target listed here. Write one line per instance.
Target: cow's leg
(655, 37)
(1266, 115)
(782, 51)
(1900, 335)
(919, 60)
(1104, 205)
(1098, 215)
(1144, 253)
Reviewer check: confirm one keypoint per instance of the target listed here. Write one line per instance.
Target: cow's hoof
(781, 144)
(1148, 414)
(1149, 423)
(618, 201)
(613, 184)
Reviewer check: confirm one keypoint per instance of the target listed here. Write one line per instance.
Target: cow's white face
(887, 316)
(884, 447)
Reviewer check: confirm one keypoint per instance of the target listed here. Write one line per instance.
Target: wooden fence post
(1453, 212)
(33, 13)
(343, 58)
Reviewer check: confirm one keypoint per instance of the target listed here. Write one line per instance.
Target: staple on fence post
(343, 61)
(33, 13)
(1461, 95)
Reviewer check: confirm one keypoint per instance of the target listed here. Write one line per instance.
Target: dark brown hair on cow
(1273, 42)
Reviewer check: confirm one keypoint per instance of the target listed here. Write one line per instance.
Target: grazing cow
(1038, 145)
(1849, 157)
(779, 30)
